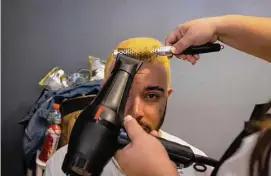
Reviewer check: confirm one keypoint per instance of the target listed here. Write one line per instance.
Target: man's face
(148, 96)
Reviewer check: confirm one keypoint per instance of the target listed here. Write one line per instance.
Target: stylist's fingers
(191, 59)
(154, 133)
(133, 129)
(183, 44)
(173, 164)
(121, 155)
(196, 56)
(181, 56)
(173, 37)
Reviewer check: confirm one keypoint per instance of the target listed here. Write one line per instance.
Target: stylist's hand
(195, 32)
(145, 155)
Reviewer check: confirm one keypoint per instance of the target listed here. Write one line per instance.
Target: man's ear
(169, 91)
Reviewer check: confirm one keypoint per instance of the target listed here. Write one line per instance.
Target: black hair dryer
(94, 138)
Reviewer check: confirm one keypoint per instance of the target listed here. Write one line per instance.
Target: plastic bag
(53, 79)
(97, 67)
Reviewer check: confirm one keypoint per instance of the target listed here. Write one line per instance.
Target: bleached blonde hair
(138, 44)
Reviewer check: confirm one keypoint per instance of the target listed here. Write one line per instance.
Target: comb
(149, 52)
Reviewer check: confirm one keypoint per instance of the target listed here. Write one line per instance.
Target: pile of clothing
(59, 88)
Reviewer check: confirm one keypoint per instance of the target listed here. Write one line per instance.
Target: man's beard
(148, 127)
(162, 119)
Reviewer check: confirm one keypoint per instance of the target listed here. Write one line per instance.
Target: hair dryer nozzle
(128, 63)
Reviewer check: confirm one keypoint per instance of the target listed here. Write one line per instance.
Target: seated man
(147, 103)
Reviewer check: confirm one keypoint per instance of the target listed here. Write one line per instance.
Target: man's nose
(135, 108)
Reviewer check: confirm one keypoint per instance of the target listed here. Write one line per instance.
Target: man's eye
(151, 96)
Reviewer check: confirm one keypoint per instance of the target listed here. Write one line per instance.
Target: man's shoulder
(173, 138)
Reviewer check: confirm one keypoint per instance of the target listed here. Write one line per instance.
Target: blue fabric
(36, 119)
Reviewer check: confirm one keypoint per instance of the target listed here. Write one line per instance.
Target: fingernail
(183, 57)
(128, 118)
(173, 49)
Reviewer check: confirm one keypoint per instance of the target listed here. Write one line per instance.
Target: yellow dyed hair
(138, 45)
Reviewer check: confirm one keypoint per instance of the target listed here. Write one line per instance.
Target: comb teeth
(144, 53)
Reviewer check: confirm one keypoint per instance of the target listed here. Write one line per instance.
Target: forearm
(248, 34)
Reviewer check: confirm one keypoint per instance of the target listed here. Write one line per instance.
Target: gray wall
(210, 100)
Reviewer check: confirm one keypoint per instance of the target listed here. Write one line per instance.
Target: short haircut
(140, 44)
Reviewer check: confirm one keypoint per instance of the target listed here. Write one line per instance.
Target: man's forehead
(151, 75)
(153, 68)
(146, 67)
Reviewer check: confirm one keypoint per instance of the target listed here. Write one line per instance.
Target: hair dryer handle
(178, 153)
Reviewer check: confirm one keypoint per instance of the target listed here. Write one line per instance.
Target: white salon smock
(54, 164)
